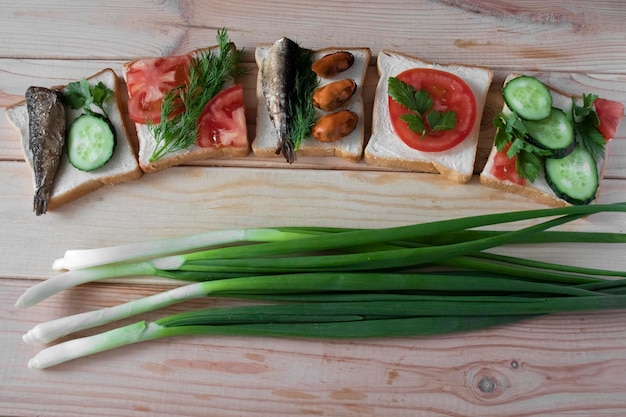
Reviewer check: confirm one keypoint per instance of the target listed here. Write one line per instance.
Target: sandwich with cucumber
(188, 107)
(550, 146)
(426, 116)
(74, 139)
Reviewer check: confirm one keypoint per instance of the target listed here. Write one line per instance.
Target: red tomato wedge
(223, 120)
(148, 80)
(504, 167)
(610, 113)
(449, 93)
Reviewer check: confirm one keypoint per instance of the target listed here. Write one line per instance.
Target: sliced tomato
(148, 80)
(223, 120)
(449, 93)
(610, 113)
(504, 167)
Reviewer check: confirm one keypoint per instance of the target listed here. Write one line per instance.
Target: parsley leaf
(441, 121)
(415, 122)
(511, 130)
(586, 122)
(80, 94)
(420, 104)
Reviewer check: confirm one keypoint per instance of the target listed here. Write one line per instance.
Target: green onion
(254, 259)
(339, 283)
(329, 282)
(338, 320)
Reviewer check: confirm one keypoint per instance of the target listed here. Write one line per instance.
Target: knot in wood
(489, 383)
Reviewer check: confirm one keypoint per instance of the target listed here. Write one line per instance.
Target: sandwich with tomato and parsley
(426, 116)
(188, 107)
(550, 146)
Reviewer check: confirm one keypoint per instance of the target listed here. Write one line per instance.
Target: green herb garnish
(301, 100)
(207, 75)
(511, 130)
(80, 94)
(421, 119)
(586, 124)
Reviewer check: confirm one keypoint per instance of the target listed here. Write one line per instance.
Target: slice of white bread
(539, 190)
(71, 183)
(349, 147)
(386, 149)
(147, 143)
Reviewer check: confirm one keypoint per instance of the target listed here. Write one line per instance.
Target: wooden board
(562, 365)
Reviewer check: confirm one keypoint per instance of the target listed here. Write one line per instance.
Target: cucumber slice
(554, 133)
(90, 142)
(528, 97)
(573, 178)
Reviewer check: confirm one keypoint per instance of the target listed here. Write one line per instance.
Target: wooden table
(562, 365)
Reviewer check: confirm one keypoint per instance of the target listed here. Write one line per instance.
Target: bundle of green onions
(415, 280)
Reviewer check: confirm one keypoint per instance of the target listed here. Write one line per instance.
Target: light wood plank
(567, 37)
(184, 200)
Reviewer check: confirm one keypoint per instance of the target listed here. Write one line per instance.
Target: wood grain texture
(555, 366)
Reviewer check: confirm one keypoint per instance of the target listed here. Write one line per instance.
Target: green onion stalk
(265, 258)
(338, 283)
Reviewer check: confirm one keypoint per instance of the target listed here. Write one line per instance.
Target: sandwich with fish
(74, 139)
(310, 101)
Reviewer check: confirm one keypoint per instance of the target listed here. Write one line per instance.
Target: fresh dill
(301, 101)
(208, 73)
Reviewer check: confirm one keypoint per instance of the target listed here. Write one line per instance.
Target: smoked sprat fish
(278, 73)
(46, 123)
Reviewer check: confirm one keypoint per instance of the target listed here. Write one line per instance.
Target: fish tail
(287, 148)
(40, 201)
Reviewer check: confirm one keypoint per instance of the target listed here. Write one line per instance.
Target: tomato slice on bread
(449, 93)
(504, 167)
(223, 120)
(148, 80)
(610, 114)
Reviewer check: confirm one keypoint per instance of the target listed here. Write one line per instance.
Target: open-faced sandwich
(426, 116)
(310, 102)
(549, 145)
(188, 107)
(74, 139)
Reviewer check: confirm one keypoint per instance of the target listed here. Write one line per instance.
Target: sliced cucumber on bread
(574, 178)
(90, 142)
(554, 133)
(528, 97)
(558, 139)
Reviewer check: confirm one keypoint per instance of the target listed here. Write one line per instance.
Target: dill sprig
(302, 111)
(208, 73)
